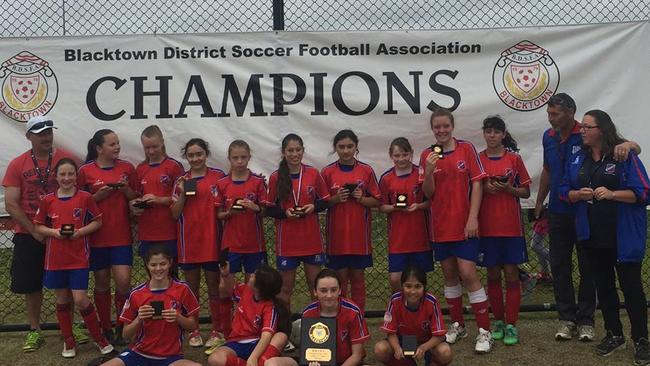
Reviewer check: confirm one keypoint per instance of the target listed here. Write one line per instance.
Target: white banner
(261, 86)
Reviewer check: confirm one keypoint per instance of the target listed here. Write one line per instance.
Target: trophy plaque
(190, 187)
(237, 206)
(67, 229)
(350, 187)
(318, 341)
(115, 185)
(157, 309)
(299, 211)
(501, 178)
(409, 345)
(401, 200)
(142, 204)
(437, 149)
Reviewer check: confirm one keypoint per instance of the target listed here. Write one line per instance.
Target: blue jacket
(631, 230)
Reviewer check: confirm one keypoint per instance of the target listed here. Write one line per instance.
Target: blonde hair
(153, 131)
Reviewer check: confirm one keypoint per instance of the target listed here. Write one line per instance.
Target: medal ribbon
(296, 198)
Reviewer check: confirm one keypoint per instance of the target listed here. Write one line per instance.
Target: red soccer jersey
(298, 237)
(407, 231)
(500, 213)
(252, 317)
(348, 223)
(79, 210)
(422, 322)
(198, 230)
(156, 223)
(22, 173)
(450, 202)
(243, 231)
(351, 327)
(157, 337)
(116, 229)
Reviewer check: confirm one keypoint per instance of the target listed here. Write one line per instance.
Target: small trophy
(437, 149)
(237, 206)
(67, 229)
(190, 187)
(142, 204)
(157, 309)
(299, 211)
(350, 187)
(115, 185)
(401, 200)
(501, 178)
(318, 338)
(409, 345)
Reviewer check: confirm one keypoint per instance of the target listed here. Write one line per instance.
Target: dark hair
(327, 272)
(155, 250)
(153, 131)
(563, 100)
(284, 178)
(63, 162)
(610, 136)
(401, 142)
(198, 142)
(343, 134)
(96, 141)
(497, 123)
(414, 271)
(441, 112)
(268, 283)
(238, 143)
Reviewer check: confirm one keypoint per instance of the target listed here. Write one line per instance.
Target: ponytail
(96, 141)
(509, 143)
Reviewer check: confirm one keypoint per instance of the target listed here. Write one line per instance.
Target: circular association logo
(319, 333)
(29, 86)
(525, 77)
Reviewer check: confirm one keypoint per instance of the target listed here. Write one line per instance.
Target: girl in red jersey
(297, 233)
(402, 202)
(256, 318)
(240, 197)
(413, 312)
(503, 246)
(354, 190)
(66, 261)
(155, 182)
(198, 230)
(351, 329)
(112, 184)
(451, 176)
(157, 313)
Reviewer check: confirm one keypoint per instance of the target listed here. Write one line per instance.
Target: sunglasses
(40, 125)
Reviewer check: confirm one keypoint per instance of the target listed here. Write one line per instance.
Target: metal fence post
(278, 14)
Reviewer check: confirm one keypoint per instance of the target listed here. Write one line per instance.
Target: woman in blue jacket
(611, 220)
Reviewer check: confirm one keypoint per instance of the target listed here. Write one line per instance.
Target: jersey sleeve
(41, 213)
(438, 327)
(176, 191)
(521, 172)
(390, 319)
(189, 303)
(129, 311)
(359, 330)
(272, 194)
(422, 164)
(476, 171)
(12, 175)
(262, 194)
(321, 187)
(133, 177)
(637, 178)
(81, 180)
(92, 210)
(373, 186)
(220, 197)
(269, 319)
(238, 291)
(385, 190)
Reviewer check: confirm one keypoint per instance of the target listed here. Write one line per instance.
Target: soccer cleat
(566, 330)
(610, 344)
(80, 336)
(195, 339)
(498, 328)
(455, 331)
(586, 333)
(483, 341)
(642, 352)
(511, 335)
(33, 341)
(69, 350)
(105, 347)
(216, 339)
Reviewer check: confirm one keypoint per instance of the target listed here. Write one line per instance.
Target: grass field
(537, 348)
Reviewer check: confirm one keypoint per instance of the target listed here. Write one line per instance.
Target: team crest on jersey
(29, 86)
(124, 177)
(525, 77)
(164, 179)
(509, 172)
(426, 325)
(250, 195)
(258, 321)
(416, 189)
(310, 190)
(610, 168)
(213, 190)
(460, 164)
(76, 213)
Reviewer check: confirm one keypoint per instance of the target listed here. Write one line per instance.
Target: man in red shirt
(28, 178)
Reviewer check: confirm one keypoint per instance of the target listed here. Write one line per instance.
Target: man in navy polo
(560, 142)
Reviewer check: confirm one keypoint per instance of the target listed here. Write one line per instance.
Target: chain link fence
(113, 17)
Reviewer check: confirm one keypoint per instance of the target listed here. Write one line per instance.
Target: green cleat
(80, 336)
(33, 342)
(498, 328)
(511, 336)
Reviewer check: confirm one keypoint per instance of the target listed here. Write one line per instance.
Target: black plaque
(237, 206)
(157, 309)
(350, 187)
(501, 178)
(299, 211)
(318, 341)
(115, 185)
(142, 204)
(401, 200)
(409, 345)
(190, 187)
(67, 229)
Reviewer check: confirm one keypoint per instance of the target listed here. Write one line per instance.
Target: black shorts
(27, 264)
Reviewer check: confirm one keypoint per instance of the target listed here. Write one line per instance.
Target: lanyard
(296, 198)
(42, 178)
